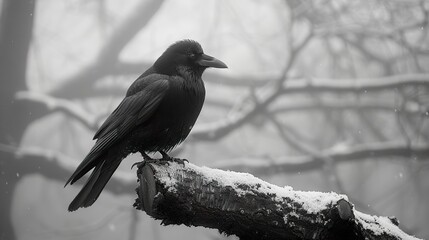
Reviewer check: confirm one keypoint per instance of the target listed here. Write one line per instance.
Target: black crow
(157, 113)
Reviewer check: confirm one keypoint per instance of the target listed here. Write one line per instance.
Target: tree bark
(243, 205)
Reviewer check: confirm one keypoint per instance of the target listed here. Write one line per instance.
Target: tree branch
(54, 165)
(91, 121)
(288, 164)
(81, 83)
(66, 106)
(243, 205)
(122, 68)
(357, 85)
(216, 130)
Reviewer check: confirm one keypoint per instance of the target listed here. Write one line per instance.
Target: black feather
(157, 113)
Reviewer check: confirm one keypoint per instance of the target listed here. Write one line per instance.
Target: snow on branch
(243, 205)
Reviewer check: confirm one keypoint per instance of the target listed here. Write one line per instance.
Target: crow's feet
(166, 157)
(147, 159)
(180, 161)
(138, 164)
(141, 163)
(165, 160)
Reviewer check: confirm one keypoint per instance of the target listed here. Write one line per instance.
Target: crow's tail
(97, 180)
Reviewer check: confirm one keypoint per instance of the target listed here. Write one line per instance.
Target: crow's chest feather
(181, 105)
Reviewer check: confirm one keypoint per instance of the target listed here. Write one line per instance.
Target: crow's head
(185, 56)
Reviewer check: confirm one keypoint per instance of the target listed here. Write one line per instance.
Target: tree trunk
(16, 24)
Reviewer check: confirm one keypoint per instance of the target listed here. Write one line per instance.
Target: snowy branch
(243, 205)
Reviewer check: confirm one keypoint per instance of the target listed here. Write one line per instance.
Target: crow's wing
(138, 106)
(134, 110)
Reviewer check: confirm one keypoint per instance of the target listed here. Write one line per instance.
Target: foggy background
(326, 95)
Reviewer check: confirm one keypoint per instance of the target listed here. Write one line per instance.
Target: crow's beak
(209, 61)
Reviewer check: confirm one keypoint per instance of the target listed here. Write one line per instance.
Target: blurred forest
(323, 95)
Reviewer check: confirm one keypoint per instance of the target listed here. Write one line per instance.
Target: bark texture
(243, 205)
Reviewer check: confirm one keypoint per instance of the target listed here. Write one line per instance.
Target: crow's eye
(192, 55)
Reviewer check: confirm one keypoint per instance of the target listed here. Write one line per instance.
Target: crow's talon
(180, 161)
(150, 160)
(166, 157)
(146, 159)
(158, 161)
(138, 164)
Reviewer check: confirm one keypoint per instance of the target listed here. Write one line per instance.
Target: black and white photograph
(214, 120)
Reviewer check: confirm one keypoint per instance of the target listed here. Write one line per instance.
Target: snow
(312, 202)
(380, 225)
